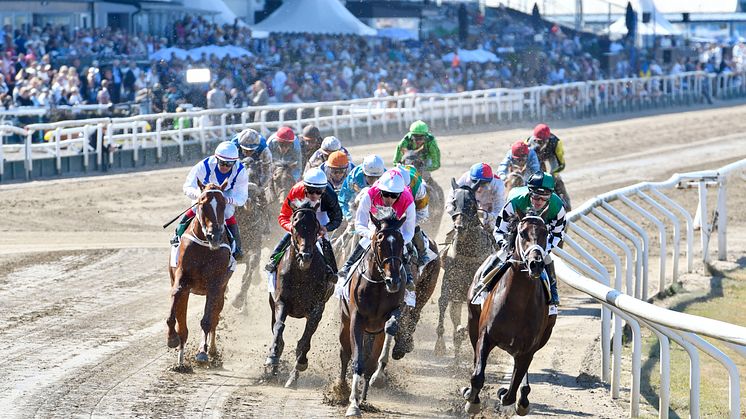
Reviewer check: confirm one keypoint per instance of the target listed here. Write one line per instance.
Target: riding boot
(277, 253)
(410, 281)
(238, 254)
(409, 256)
(554, 298)
(180, 229)
(419, 243)
(354, 257)
(331, 262)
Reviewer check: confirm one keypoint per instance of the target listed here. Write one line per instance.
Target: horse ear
(224, 185)
(375, 220)
(200, 185)
(454, 185)
(403, 219)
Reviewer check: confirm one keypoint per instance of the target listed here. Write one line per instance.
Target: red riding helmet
(519, 149)
(542, 132)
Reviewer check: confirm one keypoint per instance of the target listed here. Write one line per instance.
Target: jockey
(418, 187)
(420, 140)
(360, 177)
(549, 150)
(538, 196)
(285, 147)
(328, 146)
(217, 169)
(389, 191)
(488, 190)
(310, 142)
(315, 188)
(256, 155)
(336, 168)
(519, 155)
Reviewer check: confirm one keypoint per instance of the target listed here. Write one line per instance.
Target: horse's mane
(305, 203)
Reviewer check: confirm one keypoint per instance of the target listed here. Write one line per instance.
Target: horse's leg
(471, 394)
(474, 312)
(392, 326)
(440, 343)
(520, 369)
(345, 353)
(377, 352)
(275, 351)
(304, 345)
(209, 321)
(358, 364)
(217, 309)
(177, 324)
(458, 330)
(240, 299)
(522, 406)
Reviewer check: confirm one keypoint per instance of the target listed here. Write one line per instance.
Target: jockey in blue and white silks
(360, 177)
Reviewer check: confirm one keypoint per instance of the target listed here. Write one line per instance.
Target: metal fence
(624, 292)
(361, 117)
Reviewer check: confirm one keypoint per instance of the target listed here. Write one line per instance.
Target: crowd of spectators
(53, 66)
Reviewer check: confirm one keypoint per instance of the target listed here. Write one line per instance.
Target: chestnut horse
(370, 317)
(301, 291)
(468, 244)
(202, 269)
(514, 316)
(516, 178)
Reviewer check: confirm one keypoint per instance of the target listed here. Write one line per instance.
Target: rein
(293, 242)
(380, 263)
(198, 216)
(524, 252)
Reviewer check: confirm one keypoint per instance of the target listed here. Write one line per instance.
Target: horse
(370, 317)
(301, 291)
(434, 191)
(202, 269)
(514, 316)
(468, 243)
(253, 222)
(282, 180)
(516, 178)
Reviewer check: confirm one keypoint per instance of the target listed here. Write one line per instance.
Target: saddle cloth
(482, 297)
(272, 276)
(174, 259)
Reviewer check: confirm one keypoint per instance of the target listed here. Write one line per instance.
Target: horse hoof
(292, 383)
(301, 367)
(201, 357)
(465, 392)
(502, 392)
(522, 410)
(174, 341)
(378, 380)
(352, 411)
(271, 361)
(473, 408)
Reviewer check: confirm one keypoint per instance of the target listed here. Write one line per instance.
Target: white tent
(314, 16)
(658, 25)
(472, 56)
(167, 54)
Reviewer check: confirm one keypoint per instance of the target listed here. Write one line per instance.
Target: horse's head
(530, 242)
(305, 231)
(414, 158)
(388, 247)
(211, 212)
(464, 206)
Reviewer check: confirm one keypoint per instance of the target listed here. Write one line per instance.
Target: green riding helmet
(541, 183)
(419, 128)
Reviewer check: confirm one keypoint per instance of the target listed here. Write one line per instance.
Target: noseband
(292, 236)
(380, 263)
(198, 215)
(525, 251)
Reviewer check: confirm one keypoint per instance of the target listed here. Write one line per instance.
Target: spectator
(103, 97)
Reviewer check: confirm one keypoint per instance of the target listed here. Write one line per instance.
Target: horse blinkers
(532, 234)
(389, 266)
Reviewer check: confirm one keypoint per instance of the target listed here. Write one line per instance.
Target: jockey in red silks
(388, 191)
(218, 168)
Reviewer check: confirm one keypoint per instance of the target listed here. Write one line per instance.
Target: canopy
(657, 26)
(472, 56)
(219, 51)
(314, 16)
(167, 54)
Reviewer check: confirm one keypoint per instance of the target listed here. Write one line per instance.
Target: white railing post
(634, 239)
(722, 218)
(57, 150)
(689, 227)
(661, 238)
(704, 220)
(86, 133)
(99, 144)
(159, 139)
(676, 231)
(27, 153)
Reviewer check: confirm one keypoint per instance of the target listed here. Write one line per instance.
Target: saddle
(489, 275)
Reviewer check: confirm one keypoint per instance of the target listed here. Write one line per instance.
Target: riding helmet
(541, 183)
(419, 128)
(373, 165)
(391, 181)
(331, 144)
(315, 178)
(481, 172)
(226, 151)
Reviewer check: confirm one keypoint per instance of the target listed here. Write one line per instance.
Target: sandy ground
(84, 292)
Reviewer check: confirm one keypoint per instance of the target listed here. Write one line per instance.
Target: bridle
(524, 252)
(294, 242)
(379, 263)
(198, 216)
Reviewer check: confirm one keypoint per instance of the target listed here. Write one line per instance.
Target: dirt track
(84, 293)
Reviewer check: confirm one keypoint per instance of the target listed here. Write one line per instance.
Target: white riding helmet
(315, 178)
(404, 173)
(373, 165)
(226, 151)
(249, 138)
(391, 181)
(330, 144)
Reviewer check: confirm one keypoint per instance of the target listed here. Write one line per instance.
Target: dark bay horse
(514, 316)
(202, 269)
(301, 290)
(253, 222)
(370, 318)
(469, 243)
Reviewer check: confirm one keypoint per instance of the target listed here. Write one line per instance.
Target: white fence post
(722, 218)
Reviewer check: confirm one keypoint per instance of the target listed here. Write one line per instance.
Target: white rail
(365, 116)
(611, 223)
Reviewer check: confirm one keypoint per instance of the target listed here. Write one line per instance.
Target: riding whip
(177, 217)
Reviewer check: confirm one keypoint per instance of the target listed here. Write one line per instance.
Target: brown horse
(468, 243)
(282, 180)
(514, 316)
(202, 269)
(301, 290)
(434, 191)
(516, 178)
(370, 318)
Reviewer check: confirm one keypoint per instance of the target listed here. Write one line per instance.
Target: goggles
(391, 195)
(337, 171)
(314, 191)
(226, 163)
(419, 137)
